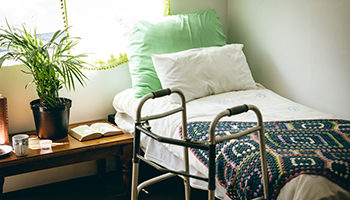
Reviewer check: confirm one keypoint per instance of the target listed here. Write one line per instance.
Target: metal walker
(141, 125)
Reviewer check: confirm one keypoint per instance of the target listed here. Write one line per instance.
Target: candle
(4, 131)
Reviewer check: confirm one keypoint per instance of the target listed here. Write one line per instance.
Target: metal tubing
(237, 135)
(183, 142)
(157, 116)
(135, 175)
(154, 180)
(165, 170)
(153, 96)
(262, 150)
(136, 161)
(259, 127)
(136, 145)
(211, 181)
(185, 148)
(211, 194)
(139, 107)
(213, 125)
(172, 141)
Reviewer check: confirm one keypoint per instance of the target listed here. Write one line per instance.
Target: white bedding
(272, 106)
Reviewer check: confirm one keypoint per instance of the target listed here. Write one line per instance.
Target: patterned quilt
(296, 147)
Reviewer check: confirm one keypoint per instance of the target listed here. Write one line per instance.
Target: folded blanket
(295, 147)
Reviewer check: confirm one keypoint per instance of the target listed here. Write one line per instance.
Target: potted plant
(52, 68)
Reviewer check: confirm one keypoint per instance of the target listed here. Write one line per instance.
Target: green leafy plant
(51, 64)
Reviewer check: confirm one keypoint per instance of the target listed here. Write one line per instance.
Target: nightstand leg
(126, 158)
(101, 167)
(2, 181)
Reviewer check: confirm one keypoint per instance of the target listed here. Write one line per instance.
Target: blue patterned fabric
(320, 147)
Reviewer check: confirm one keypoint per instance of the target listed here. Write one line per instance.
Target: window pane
(44, 15)
(95, 22)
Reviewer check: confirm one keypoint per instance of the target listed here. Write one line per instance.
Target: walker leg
(135, 175)
(211, 174)
(187, 188)
(187, 179)
(135, 166)
(211, 194)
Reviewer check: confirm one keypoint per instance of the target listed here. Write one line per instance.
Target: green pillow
(169, 34)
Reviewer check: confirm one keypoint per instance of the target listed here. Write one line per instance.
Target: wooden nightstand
(68, 151)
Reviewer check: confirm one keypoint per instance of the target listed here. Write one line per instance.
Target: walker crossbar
(192, 143)
(165, 170)
(186, 143)
(161, 115)
(154, 180)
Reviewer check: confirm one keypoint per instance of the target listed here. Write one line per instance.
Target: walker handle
(238, 109)
(161, 93)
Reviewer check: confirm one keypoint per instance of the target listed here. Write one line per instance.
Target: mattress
(273, 108)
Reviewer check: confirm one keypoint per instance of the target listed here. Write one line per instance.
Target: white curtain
(95, 22)
(44, 15)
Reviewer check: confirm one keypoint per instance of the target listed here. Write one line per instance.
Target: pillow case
(166, 35)
(204, 71)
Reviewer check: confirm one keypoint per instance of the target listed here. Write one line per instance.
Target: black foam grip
(161, 93)
(238, 109)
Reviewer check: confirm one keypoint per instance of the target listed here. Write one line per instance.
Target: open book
(96, 130)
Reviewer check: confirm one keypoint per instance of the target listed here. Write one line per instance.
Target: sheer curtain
(46, 16)
(95, 22)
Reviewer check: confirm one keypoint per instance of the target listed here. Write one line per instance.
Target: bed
(308, 151)
(273, 107)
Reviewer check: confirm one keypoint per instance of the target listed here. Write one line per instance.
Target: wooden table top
(64, 146)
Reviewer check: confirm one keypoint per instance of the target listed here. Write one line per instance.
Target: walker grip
(161, 93)
(238, 109)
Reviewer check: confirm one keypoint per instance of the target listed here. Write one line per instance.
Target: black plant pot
(51, 123)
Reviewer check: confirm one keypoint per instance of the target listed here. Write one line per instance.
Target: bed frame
(142, 126)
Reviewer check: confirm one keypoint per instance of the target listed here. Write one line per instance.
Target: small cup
(45, 144)
(20, 144)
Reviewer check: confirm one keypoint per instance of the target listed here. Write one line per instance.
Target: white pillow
(204, 71)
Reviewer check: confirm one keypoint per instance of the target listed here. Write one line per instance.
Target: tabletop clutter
(20, 142)
(20, 145)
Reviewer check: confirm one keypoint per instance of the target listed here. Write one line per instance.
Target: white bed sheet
(272, 106)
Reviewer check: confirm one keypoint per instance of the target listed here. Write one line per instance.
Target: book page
(96, 130)
(104, 128)
(84, 132)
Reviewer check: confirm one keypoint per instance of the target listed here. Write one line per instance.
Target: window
(45, 16)
(95, 22)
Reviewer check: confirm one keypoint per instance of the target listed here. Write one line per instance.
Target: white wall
(193, 6)
(94, 101)
(298, 48)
